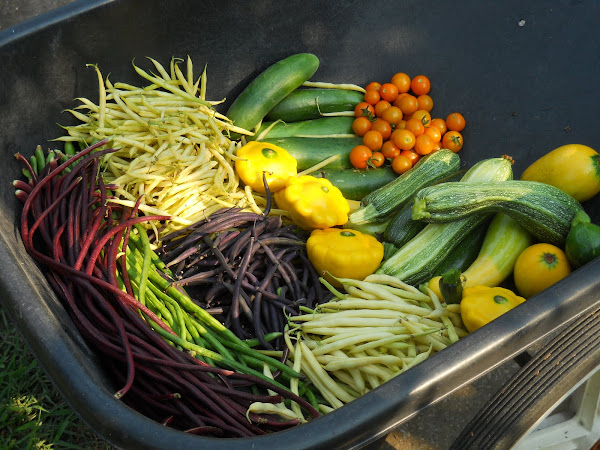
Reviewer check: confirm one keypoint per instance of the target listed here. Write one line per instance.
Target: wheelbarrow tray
(524, 75)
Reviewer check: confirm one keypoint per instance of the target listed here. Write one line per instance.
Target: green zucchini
(380, 204)
(465, 252)
(504, 241)
(325, 126)
(402, 227)
(269, 88)
(417, 260)
(451, 286)
(304, 104)
(310, 151)
(543, 210)
(354, 183)
(583, 241)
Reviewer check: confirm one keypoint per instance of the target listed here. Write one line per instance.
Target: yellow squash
(255, 158)
(573, 168)
(313, 202)
(538, 267)
(343, 253)
(482, 304)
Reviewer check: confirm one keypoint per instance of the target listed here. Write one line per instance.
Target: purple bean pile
(252, 270)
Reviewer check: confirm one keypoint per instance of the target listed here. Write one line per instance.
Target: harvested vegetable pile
(137, 323)
(172, 145)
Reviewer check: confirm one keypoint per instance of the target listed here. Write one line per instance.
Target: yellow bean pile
(377, 329)
(174, 151)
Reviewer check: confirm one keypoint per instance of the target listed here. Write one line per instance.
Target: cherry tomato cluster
(396, 125)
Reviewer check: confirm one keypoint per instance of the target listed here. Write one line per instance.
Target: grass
(32, 413)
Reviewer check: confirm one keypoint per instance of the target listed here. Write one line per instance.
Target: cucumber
(417, 260)
(583, 241)
(304, 104)
(325, 126)
(354, 183)
(543, 210)
(311, 151)
(269, 88)
(504, 241)
(380, 204)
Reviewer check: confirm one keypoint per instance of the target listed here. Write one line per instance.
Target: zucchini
(354, 183)
(543, 210)
(379, 205)
(583, 241)
(269, 88)
(310, 151)
(466, 251)
(417, 260)
(325, 126)
(304, 104)
(504, 241)
(402, 227)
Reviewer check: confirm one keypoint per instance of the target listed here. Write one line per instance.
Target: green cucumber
(543, 210)
(325, 126)
(583, 241)
(417, 261)
(269, 88)
(380, 204)
(354, 183)
(304, 104)
(311, 151)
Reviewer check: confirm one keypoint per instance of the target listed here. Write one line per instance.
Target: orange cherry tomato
(388, 92)
(361, 125)
(420, 85)
(401, 125)
(455, 122)
(425, 102)
(359, 156)
(401, 164)
(377, 159)
(373, 86)
(392, 115)
(437, 146)
(364, 109)
(424, 144)
(381, 106)
(452, 140)
(401, 81)
(412, 155)
(408, 104)
(373, 140)
(415, 126)
(434, 133)
(372, 97)
(383, 127)
(390, 150)
(439, 124)
(404, 139)
(423, 116)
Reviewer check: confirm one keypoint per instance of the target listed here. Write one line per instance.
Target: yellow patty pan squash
(482, 304)
(313, 202)
(258, 157)
(343, 253)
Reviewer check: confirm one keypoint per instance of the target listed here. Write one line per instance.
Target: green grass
(32, 413)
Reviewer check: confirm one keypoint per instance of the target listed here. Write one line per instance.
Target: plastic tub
(523, 75)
